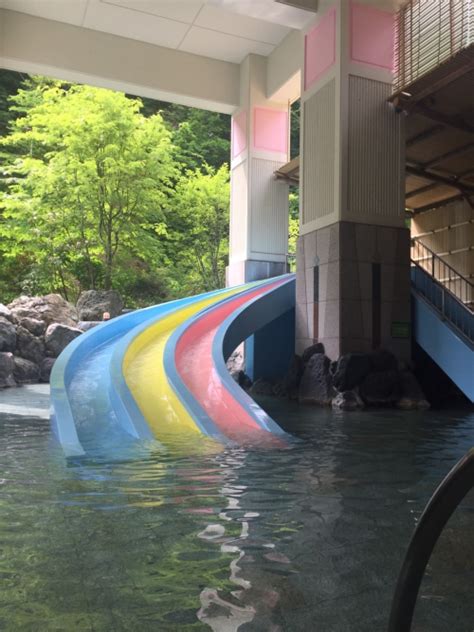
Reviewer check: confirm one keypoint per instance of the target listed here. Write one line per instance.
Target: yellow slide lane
(144, 372)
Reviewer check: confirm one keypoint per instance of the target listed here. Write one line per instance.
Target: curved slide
(159, 374)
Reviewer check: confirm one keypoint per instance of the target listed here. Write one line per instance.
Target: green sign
(400, 330)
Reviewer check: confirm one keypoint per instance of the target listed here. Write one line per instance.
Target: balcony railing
(429, 33)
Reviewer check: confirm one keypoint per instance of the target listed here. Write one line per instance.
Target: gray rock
(309, 352)
(5, 312)
(25, 371)
(93, 303)
(235, 362)
(383, 360)
(51, 308)
(28, 346)
(292, 379)
(351, 370)
(412, 396)
(316, 384)
(7, 335)
(381, 388)
(57, 338)
(45, 369)
(347, 400)
(85, 325)
(7, 366)
(261, 387)
(34, 326)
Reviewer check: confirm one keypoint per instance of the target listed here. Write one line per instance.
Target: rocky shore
(34, 331)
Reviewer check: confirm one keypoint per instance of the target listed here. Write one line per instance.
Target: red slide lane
(195, 366)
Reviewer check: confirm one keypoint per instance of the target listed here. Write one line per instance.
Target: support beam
(465, 188)
(434, 205)
(444, 119)
(449, 154)
(427, 133)
(35, 45)
(425, 189)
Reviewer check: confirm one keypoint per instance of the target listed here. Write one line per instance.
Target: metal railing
(444, 288)
(429, 33)
(440, 508)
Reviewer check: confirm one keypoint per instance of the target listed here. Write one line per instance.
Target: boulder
(28, 346)
(5, 312)
(85, 325)
(93, 303)
(261, 387)
(351, 370)
(34, 326)
(7, 366)
(347, 400)
(381, 388)
(243, 380)
(235, 362)
(316, 384)
(7, 335)
(25, 371)
(45, 369)
(292, 379)
(309, 352)
(412, 396)
(58, 336)
(51, 308)
(383, 360)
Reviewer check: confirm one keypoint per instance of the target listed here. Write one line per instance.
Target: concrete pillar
(353, 288)
(259, 203)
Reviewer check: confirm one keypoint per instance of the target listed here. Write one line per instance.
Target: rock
(45, 369)
(7, 335)
(235, 362)
(58, 336)
(34, 326)
(279, 389)
(243, 380)
(351, 370)
(292, 379)
(93, 303)
(7, 366)
(51, 308)
(381, 388)
(28, 346)
(309, 352)
(383, 360)
(347, 400)
(25, 371)
(261, 387)
(316, 384)
(5, 312)
(412, 396)
(85, 325)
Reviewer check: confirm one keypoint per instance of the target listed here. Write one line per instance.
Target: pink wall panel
(239, 133)
(270, 130)
(320, 48)
(372, 36)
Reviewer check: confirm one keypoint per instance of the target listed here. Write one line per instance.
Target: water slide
(159, 374)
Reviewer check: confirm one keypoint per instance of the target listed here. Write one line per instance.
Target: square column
(353, 284)
(259, 202)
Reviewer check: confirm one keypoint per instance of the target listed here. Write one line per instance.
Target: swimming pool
(307, 538)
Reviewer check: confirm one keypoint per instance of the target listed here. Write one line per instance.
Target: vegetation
(99, 189)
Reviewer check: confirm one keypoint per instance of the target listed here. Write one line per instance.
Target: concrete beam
(284, 69)
(38, 46)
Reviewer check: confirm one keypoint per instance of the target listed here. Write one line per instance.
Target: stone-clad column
(259, 203)
(353, 290)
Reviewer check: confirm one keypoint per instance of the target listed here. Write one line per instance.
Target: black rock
(25, 371)
(45, 369)
(381, 388)
(316, 384)
(309, 352)
(7, 335)
(261, 387)
(28, 346)
(34, 326)
(94, 303)
(411, 396)
(292, 379)
(347, 400)
(57, 338)
(7, 366)
(383, 360)
(243, 380)
(351, 370)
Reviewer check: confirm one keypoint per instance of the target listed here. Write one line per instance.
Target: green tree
(91, 180)
(201, 227)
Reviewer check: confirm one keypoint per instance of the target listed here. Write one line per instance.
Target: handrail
(435, 256)
(439, 509)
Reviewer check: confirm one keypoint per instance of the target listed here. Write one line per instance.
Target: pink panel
(270, 130)
(320, 49)
(372, 36)
(239, 133)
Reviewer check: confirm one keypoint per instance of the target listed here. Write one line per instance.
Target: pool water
(309, 538)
